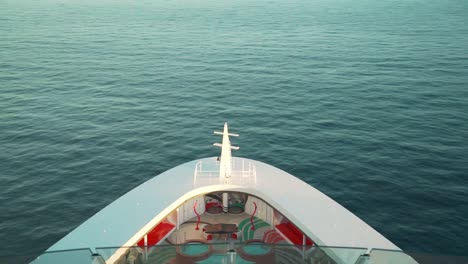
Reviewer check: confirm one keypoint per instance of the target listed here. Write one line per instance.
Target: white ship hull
(274, 208)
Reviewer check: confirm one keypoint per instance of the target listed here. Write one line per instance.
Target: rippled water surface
(365, 100)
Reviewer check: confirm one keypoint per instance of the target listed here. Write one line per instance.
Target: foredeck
(312, 217)
(321, 218)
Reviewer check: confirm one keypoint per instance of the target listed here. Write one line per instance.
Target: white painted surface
(125, 221)
(264, 211)
(225, 166)
(187, 211)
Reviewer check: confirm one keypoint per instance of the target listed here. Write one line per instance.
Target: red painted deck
(293, 233)
(157, 234)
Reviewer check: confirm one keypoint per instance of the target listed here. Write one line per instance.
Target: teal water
(365, 100)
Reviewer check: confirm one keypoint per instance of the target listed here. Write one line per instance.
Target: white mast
(225, 165)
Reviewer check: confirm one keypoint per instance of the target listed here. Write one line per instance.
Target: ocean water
(365, 100)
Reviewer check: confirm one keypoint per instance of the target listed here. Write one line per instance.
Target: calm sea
(365, 100)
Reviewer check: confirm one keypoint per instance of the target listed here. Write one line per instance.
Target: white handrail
(243, 173)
